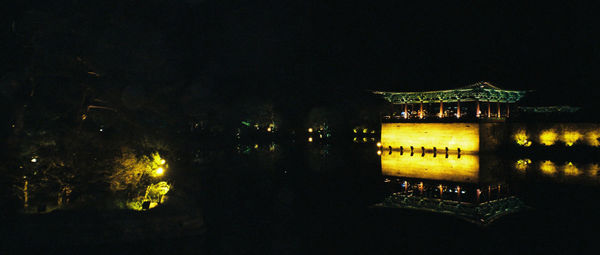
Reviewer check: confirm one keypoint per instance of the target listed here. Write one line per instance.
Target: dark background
(276, 48)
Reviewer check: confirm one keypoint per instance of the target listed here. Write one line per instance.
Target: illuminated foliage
(522, 164)
(134, 178)
(154, 195)
(570, 169)
(592, 138)
(593, 170)
(522, 139)
(548, 167)
(570, 137)
(131, 170)
(548, 137)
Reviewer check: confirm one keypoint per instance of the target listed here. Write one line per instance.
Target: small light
(310, 139)
(33, 160)
(160, 171)
(310, 130)
(269, 129)
(378, 144)
(379, 152)
(101, 130)
(162, 161)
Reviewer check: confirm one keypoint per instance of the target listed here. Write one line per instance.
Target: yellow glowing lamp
(160, 171)
(378, 144)
(378, 152)
(310, 130)
(310, 139)
(269, 129)
(162, 161)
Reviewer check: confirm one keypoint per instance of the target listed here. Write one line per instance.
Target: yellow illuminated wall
(440, 135)
(463, 169)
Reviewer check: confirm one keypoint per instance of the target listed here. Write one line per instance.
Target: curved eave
(455, 95)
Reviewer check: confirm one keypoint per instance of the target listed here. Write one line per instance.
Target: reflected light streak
(570, 169)
(593, 170)
(522, 164)
(548, 167)
(463, 169)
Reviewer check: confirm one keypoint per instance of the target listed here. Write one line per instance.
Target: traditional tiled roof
(480, 91)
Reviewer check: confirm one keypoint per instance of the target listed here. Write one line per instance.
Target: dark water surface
(320, 199)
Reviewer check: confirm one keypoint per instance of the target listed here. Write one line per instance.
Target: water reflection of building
(442, 168)
(450, 184)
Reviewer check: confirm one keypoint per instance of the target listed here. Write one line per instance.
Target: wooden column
(498, 104)
(458, 109)
(421, 110)
(406, 111)
(441, 109)
(489, 110)
(507, 110)
(478, 112)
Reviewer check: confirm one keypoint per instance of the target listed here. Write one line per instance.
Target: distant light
(310, 139)
(310, 130)
(365, 130)
(269, 129)
(320, 136)
(379, 152)
(13, 125)
(378, 144)
(101, 130)
(33, 160)
(162, 162)
(160, 171)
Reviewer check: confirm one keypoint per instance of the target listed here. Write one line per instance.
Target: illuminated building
(474, 118)
(479, 100)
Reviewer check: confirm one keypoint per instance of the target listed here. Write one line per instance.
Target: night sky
(274, 48)
(397, 46)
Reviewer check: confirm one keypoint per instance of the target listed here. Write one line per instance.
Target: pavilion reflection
(454, 168)
(450, 184)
